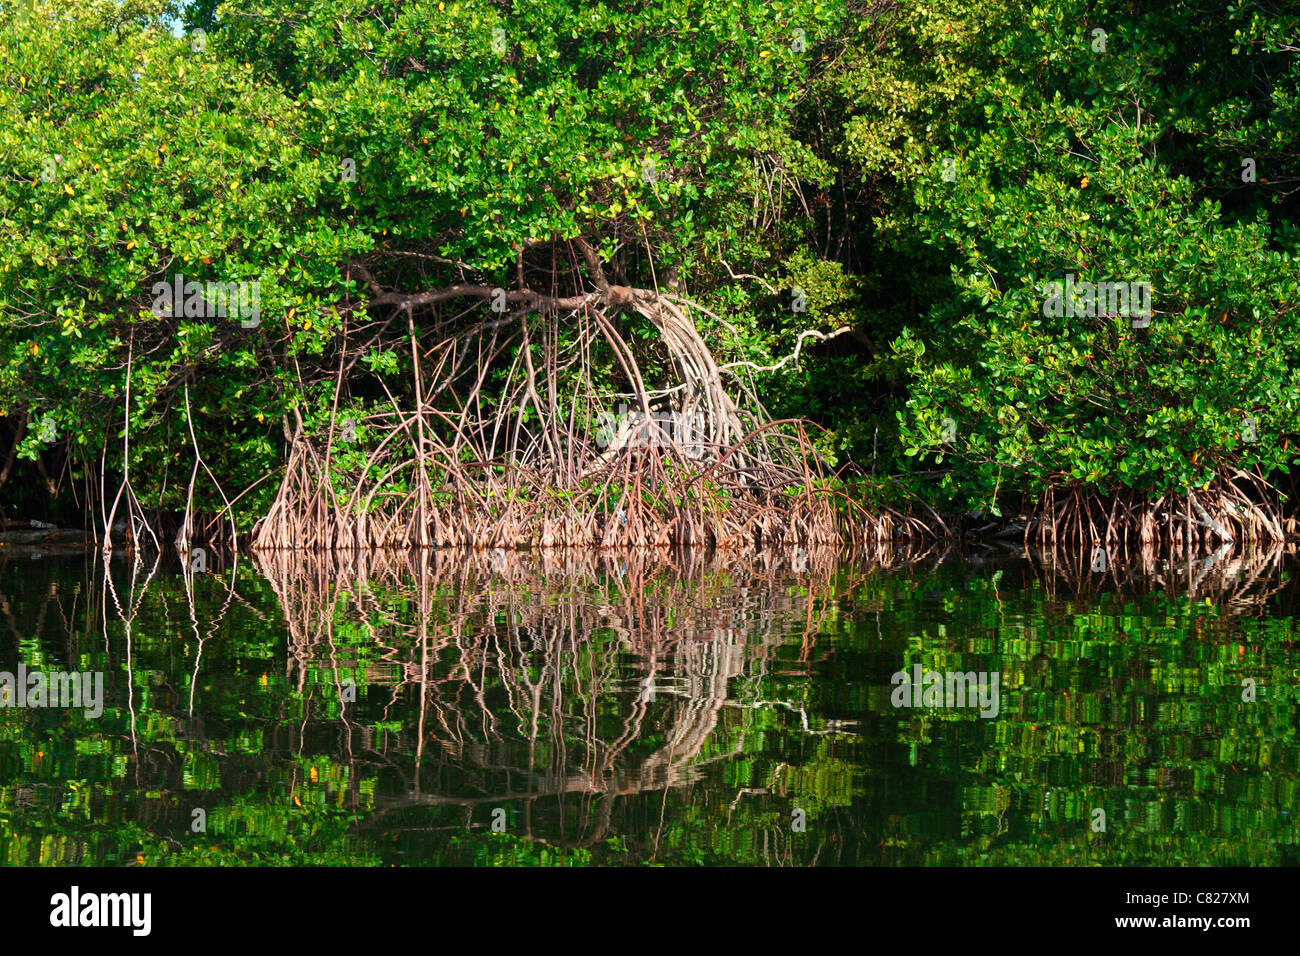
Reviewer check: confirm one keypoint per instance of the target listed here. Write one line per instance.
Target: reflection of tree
(1121, 691)
(1238, 580)
(662, 702)
(515, 663)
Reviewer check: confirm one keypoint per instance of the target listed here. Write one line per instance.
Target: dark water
(500, 711)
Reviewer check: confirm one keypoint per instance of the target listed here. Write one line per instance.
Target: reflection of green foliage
(823, 782)
(504, 849)
(1131, 705)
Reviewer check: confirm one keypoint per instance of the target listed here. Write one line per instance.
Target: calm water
(504, 711)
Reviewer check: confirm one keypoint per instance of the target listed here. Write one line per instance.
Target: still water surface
(632, 711)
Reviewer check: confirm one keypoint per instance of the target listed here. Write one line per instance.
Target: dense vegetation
(478, 227)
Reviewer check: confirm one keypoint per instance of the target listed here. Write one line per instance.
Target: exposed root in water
(1236, 508)
(543, 459)
(655, 497)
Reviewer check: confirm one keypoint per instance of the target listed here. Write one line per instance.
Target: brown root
(545, 463)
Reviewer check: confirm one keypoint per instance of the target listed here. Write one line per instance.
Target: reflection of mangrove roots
(1231, 578)
(515, 656)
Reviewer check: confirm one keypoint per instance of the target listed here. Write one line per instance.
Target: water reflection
(652, 708)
